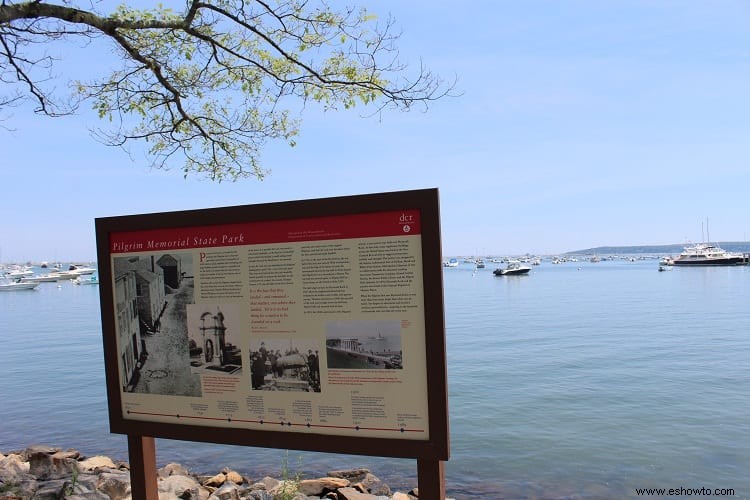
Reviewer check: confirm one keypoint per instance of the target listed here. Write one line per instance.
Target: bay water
(581, 379)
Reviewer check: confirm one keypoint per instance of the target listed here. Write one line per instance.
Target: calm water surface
(580, 379)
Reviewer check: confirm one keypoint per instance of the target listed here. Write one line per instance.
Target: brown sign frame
(426, 201)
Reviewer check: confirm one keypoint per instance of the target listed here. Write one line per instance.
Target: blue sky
(579, 124)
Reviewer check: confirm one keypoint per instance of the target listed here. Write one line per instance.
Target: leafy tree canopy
(209, 85)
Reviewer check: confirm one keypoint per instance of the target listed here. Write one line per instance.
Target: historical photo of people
(284, 365)
(213, 338)
(364, 344)
(152, 293)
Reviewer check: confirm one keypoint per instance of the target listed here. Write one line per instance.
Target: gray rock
(228, 491)
(269, 482)
(91, 495)
(353, 475)
(114, 484)
(401, 496)
(44, 466)
(258, 486)
(38, 448)
(350, 493)
(173, 469)
(184, 487)
(259, 495)
(52, 489)
(24, 488)
(374, 485)
(14, 469)
(86, 481)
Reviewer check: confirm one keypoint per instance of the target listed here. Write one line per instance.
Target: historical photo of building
(284, 365)
(151, 294)
(213, 338)
(364, 344)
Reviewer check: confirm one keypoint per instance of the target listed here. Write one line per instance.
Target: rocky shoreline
(47, 473)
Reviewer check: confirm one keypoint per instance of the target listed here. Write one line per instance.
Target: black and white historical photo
(152, 293)
(364, 344)
(213, 338)
(284, 365)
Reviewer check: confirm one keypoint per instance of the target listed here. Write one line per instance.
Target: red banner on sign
(369, 225)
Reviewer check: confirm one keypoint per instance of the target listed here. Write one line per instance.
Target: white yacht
(706, 254)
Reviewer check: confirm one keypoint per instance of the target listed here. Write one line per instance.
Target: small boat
(480, 264)
(514, 267)
(66, 275)
(42, 278)
(79, 270)
(93, 280)
(17, 285)
(19, 272)
(451, 263)
(666, 261)
(663, 268)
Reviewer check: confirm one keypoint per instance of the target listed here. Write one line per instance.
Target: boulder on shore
(44, 472)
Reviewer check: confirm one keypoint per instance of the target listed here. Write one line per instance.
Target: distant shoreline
(729, 246)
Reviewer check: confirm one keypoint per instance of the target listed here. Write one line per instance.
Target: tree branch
(212, 85)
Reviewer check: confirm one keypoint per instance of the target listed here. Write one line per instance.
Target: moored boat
(706, 254)
(92, 280)
(17, 285)
(666, 261)
(514, 267)
(19, 272)
(42, 278)
(79, 270)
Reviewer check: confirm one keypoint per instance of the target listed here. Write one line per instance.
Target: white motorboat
(19, 272)
(451, 263)
(80, 280)
(42, 278)
(706, 254)
(66, 275)
(666, 261)
(514, 267)
(17, 285)
(77, 270)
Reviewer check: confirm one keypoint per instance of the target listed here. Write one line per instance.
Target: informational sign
(313, 324)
